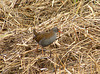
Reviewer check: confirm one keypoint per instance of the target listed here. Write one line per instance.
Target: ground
(76, 50)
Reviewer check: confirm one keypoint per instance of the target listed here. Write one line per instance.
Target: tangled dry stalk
(77, 50)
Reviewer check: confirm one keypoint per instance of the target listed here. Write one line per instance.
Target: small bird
(46, 38)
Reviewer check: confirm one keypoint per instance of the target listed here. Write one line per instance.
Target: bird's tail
(35, 33)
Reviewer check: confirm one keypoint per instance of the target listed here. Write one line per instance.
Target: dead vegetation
(77, 50)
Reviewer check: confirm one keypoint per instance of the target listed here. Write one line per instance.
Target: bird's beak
(60, 31)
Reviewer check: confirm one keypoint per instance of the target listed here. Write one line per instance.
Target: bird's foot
(41, 50)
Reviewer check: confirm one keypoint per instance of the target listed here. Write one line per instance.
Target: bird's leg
(42, 51)
(50, 53)
(37, 47)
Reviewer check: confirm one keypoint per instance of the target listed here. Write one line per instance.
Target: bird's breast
(47, 41)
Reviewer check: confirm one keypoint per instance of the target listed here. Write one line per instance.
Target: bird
(46, 38)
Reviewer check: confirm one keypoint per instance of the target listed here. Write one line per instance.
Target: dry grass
(77, 50)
